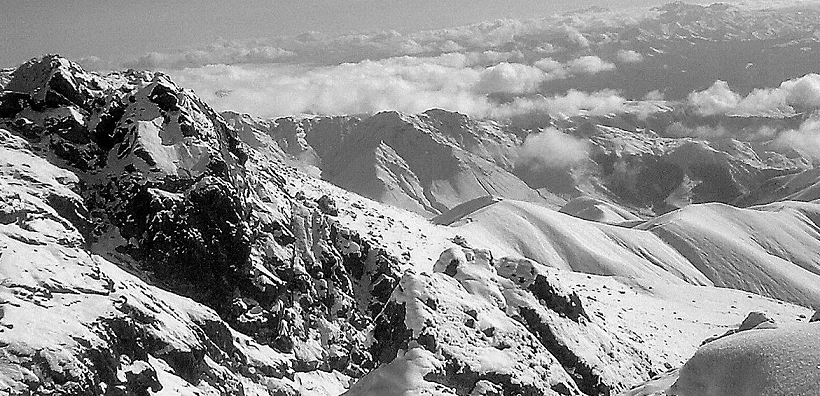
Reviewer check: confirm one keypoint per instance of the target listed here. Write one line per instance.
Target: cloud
(654, 95)
(803, 92)
(490, 70)
(575, 37)
(573, 103)
(365, 87)
(220, 52)
(800, 94)
(548, 65)
(407, 84)
(717, 99)
(551, 149)
(536, 37)
(805, 140)
(589, 65)
(629, 56)
(510, 78)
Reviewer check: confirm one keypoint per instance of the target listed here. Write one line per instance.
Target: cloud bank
(546, 35)
(495, 69)
(792, 96)
(457, 81)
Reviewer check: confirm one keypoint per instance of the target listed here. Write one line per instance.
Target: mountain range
(150, 244)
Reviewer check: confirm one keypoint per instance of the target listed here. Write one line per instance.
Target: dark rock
(328, 206)
(164, 97)
(566, 304)
(586, 378)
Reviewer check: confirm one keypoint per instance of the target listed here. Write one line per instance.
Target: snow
(404, 376)
(769, 362)
(320, 383)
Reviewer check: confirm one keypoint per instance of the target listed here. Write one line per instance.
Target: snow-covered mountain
(431, 162)
(150, 244)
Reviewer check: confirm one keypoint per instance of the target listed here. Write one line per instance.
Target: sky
(120, 31)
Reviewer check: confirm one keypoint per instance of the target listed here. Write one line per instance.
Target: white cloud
(583, 65)
(654, 95)
(459, 69)
(220, 52)
(365, 87)
(589, 65)
(805, 140)
(573, 103)
(803, 92)
(548, 65)
(510, 78)
(574, 36)
(551, 149)
(539, 36)
(629, 56)
(799, 94)
(406, 84)
(717, 99)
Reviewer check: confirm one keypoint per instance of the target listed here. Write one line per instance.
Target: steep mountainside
(136, 220)
(425, 163)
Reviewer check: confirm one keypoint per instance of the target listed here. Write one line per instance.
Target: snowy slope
(607, 333)
(765, 362)
(770, 250)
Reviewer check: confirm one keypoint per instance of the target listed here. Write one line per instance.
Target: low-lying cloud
(796, 95)
(220, 52)
(717, 99)
(551, 149)
(510, 78)
(589, 65)
(805, 140)
(629, 56)
(552, 33)
(458, 81)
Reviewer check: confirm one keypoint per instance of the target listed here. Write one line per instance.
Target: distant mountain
(687, 47)
(432, 162)
(425, 163)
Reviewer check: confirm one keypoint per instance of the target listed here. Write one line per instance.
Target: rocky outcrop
(155, 185)
(75, 323)
(158, 187)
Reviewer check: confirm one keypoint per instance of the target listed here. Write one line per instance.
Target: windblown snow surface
(766, 362)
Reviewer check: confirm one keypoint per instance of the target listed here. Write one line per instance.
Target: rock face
(136, 220)
(138, 176)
